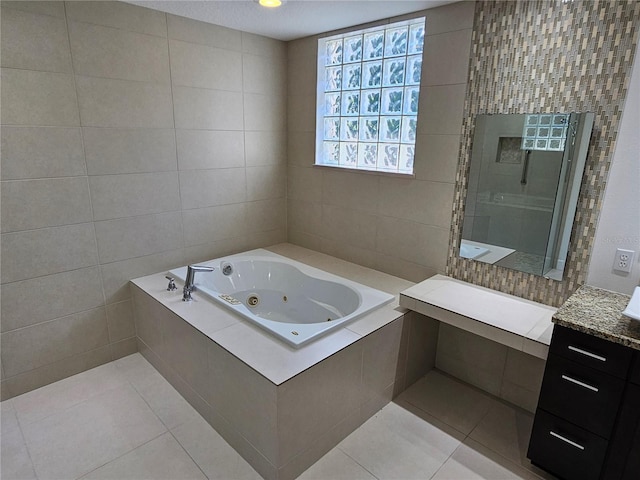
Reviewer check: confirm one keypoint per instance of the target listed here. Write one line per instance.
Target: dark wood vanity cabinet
(624, 458)
(587, 424)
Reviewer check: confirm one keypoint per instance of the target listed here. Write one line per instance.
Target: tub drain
(253, 300)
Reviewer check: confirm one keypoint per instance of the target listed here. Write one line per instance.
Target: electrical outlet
(623, 261)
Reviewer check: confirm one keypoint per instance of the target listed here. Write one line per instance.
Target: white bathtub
(290, 300)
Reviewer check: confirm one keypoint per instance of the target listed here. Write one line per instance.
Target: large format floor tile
(506, 430)
(336, 465)
(123, 420)
(213, 455)
(14, 456)
(165, 401)
(473, 461)
(75, 441)
(160, 459)
(397, 443)
(43, 402)
(453, 402)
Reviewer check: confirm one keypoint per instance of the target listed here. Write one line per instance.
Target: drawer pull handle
(566, 440)
(588, 354)
(578, 382)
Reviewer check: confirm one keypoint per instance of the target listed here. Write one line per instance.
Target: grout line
(244, 123)
(29, 179)
(447, 459)
(24, 439)
(465, 435)
(139, 393)
(120, 456)
(187, 452)
(349, 456)
(175, 138)
(56, 319)
(100, 265)
(209, 45)
(505, 460)
(137, 7)
(27, 230)
(75, 404)
(119, 79)
(86, 167)
(26, 446)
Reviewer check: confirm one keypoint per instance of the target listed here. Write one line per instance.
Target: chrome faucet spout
(189, 285)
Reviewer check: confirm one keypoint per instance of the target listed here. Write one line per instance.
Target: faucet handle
(172, 283)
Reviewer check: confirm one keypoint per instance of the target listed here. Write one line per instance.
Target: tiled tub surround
(490, 339)
(279, 407)
(128, 137)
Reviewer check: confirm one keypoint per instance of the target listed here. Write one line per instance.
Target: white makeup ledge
(512, 321)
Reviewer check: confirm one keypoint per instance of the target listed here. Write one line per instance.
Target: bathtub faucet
(189, 285)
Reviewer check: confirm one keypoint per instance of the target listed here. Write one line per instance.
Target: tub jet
(253, 300)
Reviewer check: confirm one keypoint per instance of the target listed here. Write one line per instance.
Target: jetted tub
(293, 301)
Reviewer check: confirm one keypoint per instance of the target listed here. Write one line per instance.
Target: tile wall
(393, 224)
(521, 64)
(509, 374)
(132, 141)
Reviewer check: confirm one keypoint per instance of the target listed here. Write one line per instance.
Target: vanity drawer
(581, 395)
(591, 351)
(565, 450)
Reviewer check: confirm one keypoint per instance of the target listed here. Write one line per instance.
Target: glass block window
(368, 90)
(545, 132)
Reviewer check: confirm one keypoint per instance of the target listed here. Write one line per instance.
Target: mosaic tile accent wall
(544, 57)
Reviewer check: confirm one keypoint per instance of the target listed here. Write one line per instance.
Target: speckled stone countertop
(598, 312)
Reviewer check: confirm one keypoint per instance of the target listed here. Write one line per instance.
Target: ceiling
(294, 19)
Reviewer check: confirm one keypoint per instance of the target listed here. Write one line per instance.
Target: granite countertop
(598, 312)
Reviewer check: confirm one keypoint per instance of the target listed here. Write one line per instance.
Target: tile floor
(123, 420)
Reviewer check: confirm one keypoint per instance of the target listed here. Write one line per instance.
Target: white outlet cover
(623, 261)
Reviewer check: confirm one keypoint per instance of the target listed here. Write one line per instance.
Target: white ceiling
(294, 19)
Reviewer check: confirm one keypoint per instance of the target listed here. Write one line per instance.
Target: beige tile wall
(502, 371)
(132, 141)
(397, 225)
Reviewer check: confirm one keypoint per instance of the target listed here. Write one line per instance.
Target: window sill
(367, 172)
